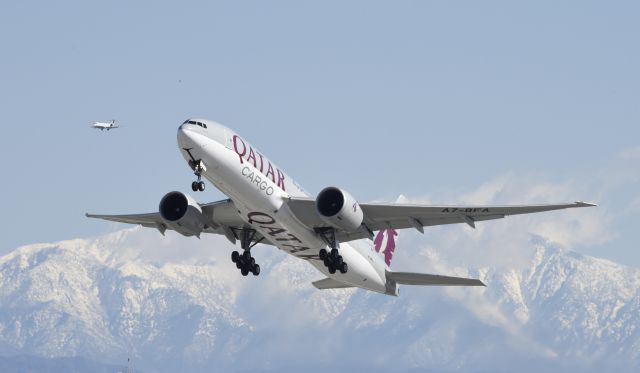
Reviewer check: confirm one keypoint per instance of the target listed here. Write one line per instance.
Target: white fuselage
(259, 189)
(104, 126)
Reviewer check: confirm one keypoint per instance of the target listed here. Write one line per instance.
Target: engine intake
(182, 213)
(173, 206)
(339, 209)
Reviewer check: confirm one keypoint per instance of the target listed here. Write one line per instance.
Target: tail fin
(389, 244)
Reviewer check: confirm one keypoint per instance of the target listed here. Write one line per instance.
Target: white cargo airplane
(332, 232)
(105, 125)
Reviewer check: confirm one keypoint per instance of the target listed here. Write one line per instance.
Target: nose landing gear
(197, 185)
(198, 169)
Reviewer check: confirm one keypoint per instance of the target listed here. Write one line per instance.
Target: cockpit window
(195, 123)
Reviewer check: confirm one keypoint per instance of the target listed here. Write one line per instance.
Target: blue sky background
(428, 99)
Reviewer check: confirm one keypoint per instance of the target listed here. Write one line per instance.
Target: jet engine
(182, 213)
(339, 209)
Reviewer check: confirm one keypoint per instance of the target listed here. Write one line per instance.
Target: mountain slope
(173, 303)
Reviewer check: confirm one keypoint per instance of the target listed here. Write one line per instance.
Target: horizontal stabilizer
(329, 283)
(408, 278)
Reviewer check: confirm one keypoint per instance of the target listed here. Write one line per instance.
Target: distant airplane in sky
(105, 125)
(332, 232)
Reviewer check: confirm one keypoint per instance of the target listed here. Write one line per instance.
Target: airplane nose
(184, 138)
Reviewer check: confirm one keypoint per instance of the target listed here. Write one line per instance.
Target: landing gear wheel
(334, 254)
(323, 254)
(344, 268)
(235, 256)
(338, 262)
(244, 271)
(246, 256)
(256, 269)
(332, 269)
(194, 186)
(201, 186)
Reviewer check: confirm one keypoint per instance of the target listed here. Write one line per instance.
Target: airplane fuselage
(259, 189)
(104, 126)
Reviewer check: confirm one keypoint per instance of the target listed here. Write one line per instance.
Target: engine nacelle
(182, 213)
(339, 209)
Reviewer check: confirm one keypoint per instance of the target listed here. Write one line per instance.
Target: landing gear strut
(332, 259)
(245, 262)
(198, 169)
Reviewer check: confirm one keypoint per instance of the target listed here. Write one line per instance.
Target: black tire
(201, 186)
(334, 254)
(256, 270)
(244, 271)
(194, 186)
(246, 256)
(323, 254)
(332, 269)
(338, 262)
(327, 262)
(344, 268)
(238, 264)
(235, 256)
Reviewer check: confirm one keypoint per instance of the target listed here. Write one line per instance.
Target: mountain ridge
(124, 294)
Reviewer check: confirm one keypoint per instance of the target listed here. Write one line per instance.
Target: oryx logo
(389, 243)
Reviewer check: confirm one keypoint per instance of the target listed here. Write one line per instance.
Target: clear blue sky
(443, 96)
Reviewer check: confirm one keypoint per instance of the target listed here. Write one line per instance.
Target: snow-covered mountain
(178, 304)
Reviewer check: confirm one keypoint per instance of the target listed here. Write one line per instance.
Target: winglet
(585, 204)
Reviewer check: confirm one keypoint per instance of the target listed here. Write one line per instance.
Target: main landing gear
(245, 262)
(198, 169)
(332, 259)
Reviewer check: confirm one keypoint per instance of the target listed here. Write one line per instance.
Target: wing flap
(408, 278)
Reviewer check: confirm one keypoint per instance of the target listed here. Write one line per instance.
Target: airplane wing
(408, 278)
(401, 216)
(223, 214)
